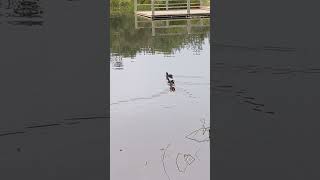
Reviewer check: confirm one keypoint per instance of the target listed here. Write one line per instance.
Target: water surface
(157, 133)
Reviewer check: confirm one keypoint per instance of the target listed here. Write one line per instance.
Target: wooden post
(188, 7)
(136, 21)
(152, 7)
(135, 6)
(167, 5)
(188, 26)
(153, 28)
(200, 2)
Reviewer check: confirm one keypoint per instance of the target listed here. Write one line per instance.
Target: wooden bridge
(164, 9)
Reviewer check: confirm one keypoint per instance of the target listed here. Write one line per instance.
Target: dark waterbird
(168, 75)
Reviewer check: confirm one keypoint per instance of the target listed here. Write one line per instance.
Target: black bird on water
(170, 81)
(169, 76)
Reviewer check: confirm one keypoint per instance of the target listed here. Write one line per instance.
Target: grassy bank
(121, 6)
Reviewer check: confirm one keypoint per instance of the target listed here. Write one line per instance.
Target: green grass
(121, 6)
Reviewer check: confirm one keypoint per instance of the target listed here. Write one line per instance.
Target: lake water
(157, 133)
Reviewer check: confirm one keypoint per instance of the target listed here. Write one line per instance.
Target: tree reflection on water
(131, 35)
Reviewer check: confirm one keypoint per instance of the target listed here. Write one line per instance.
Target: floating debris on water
(183, 161)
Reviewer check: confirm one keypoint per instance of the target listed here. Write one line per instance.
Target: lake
(157, 133)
